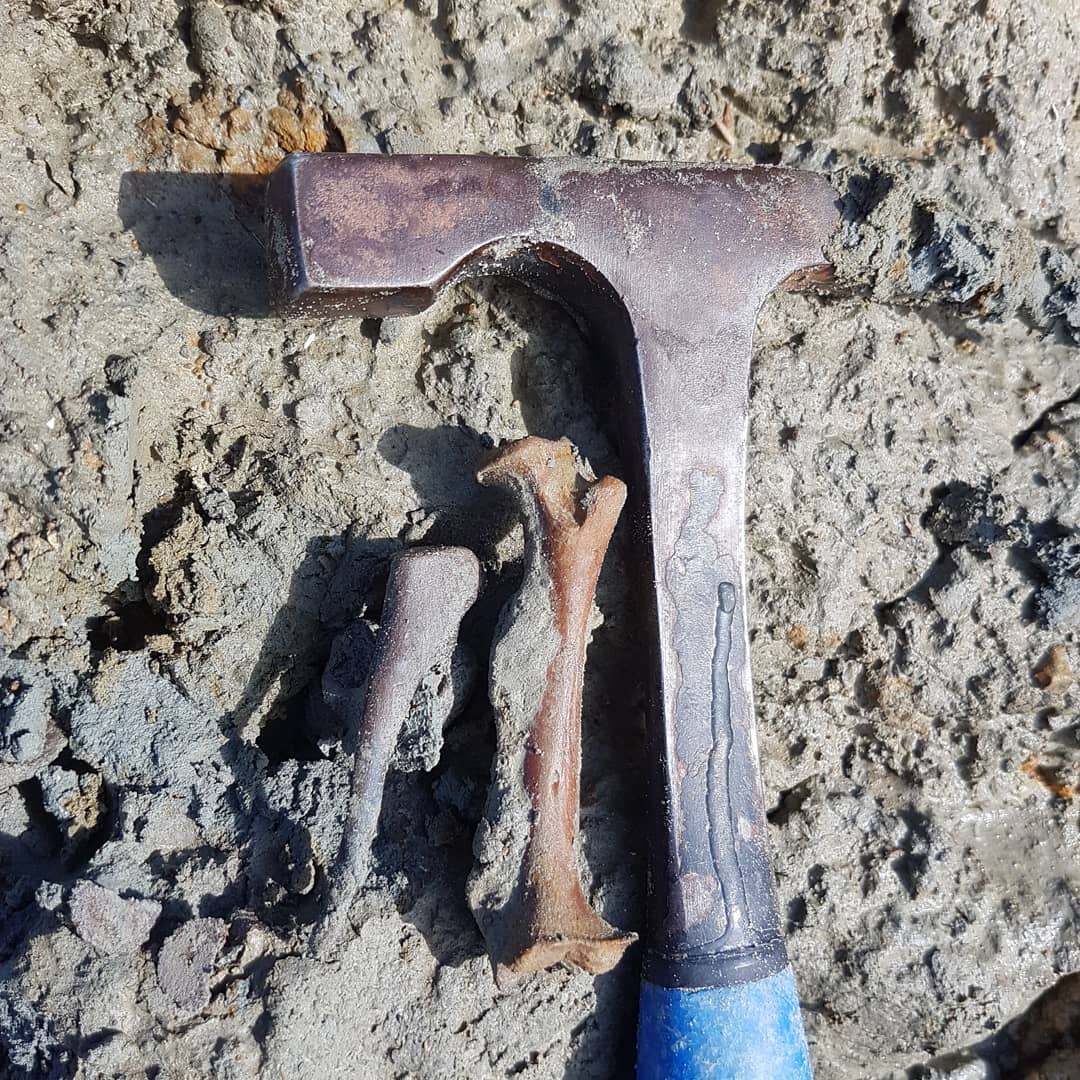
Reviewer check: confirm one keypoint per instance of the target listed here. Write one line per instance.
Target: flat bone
(526, 890)
(428, 592)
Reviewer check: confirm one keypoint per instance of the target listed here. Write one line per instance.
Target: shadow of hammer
(664, 266)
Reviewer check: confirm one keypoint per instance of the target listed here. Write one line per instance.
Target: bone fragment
(428, 592)
(525, 889)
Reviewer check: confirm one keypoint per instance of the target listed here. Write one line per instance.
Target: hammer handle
(749, 1031)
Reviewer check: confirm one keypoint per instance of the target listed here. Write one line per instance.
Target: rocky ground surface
(198, 500)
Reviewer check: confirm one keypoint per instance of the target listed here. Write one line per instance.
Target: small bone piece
(428, 592)
(525, 890)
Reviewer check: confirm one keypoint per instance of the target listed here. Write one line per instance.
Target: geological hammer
(664, 266)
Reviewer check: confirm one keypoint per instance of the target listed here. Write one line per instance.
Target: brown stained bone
(526, 889)
(428, 592)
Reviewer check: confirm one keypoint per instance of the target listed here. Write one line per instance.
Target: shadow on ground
(205, 235)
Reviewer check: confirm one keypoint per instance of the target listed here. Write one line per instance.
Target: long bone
(428, 592)
(526, 889)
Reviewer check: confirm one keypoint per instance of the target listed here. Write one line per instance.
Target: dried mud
(198, 502)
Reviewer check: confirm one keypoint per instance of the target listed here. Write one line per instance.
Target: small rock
(112, 924)
(213, 47)
(1054, 673)
(217, 505)
(849, 675)
(121, 372)
(972, 1069)
(345, 676)
(186, 963)
(1058, 603)
(313, 414)
(389, 330)
(73, 800)
(811, 669)
(24, 714)
(973, 516)
(1059, 721)
(49, 895)
(621, 75)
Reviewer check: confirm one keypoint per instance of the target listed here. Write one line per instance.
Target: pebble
(186, 963)
(112, 924)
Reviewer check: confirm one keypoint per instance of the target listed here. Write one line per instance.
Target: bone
(525, 890)
(428, 592)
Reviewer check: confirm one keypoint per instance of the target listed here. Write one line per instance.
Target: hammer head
(665, 266)
(376, 236)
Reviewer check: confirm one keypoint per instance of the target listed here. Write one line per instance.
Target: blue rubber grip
(749, 1031)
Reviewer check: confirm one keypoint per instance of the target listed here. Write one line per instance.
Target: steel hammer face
(665, 267)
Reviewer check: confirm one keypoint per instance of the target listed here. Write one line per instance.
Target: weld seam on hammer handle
(718, 995)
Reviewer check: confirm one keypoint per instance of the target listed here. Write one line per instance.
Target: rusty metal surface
(665, 266)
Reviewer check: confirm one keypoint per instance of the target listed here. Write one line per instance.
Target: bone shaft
(384, 712)
(428, 592)
(553, 762)
(530, 903)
